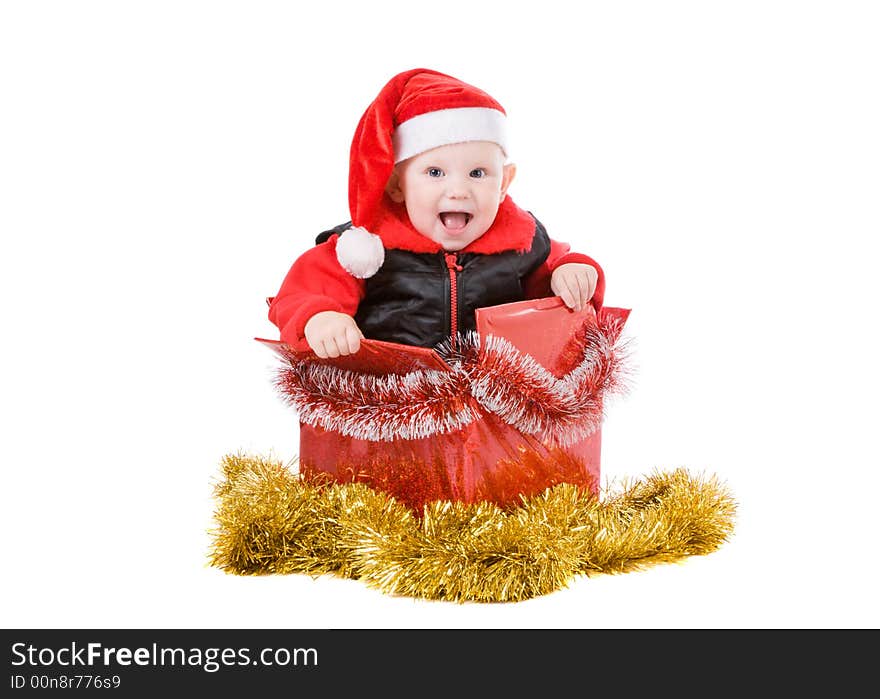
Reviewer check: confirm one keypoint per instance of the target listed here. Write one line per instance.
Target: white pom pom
(360, 252)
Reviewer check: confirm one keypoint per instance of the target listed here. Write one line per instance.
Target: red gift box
(504, 413)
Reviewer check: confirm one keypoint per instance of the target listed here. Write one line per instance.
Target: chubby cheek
(418, 211)
(489, 208)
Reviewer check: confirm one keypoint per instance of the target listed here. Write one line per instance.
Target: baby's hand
(331, 334)
(574, 283)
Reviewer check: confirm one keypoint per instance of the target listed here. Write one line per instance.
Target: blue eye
(478, 173)
(435, 172)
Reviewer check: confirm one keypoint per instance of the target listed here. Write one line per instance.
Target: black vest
(409, 300)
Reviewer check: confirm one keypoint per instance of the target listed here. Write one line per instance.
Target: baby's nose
(457, 189)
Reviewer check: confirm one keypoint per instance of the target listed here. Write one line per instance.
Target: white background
(163, 163)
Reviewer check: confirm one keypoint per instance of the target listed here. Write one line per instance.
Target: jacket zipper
(453, 267)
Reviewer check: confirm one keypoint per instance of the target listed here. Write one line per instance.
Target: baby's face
(452, 193)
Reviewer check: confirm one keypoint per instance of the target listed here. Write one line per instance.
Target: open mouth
(455, 220)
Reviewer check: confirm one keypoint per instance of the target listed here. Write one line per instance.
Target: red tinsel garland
(495, 378)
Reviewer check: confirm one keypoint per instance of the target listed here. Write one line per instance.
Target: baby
(433, 234)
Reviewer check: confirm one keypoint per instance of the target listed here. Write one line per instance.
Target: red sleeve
(537, 284)
(316, 282)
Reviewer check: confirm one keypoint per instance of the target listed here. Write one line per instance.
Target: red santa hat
(416, 111)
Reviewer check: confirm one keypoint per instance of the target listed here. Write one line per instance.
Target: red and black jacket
(424, 298)
(420, 296)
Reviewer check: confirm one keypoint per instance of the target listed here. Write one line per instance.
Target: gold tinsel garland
(272, 521)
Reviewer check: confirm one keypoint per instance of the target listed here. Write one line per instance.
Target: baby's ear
(507, 178)
(393, 187)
